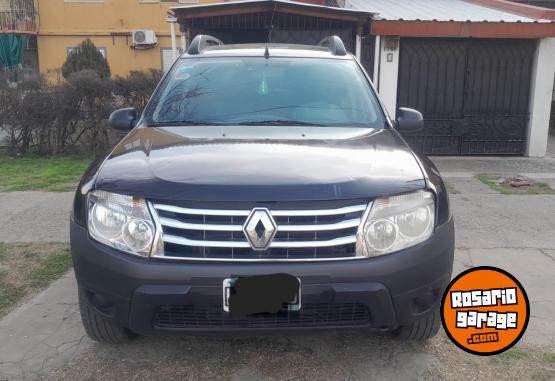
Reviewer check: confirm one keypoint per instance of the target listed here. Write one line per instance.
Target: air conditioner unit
(144, 37)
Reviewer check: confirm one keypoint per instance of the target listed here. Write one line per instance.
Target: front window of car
(258, 91)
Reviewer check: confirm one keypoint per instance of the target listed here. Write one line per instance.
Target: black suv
(263, 188)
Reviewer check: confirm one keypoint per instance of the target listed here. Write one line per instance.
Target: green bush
(137, 87)
(54, 118)
(86, 57)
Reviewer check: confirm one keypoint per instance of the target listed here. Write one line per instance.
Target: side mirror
(124, 119)
(409, 119)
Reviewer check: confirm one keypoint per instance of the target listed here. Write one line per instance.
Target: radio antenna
(270, 27)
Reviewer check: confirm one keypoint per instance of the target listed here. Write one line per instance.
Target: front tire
(98, 327)
(421, 329)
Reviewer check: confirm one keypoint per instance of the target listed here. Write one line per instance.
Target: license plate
(261, 294)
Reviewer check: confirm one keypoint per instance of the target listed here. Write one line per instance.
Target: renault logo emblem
(260, 228)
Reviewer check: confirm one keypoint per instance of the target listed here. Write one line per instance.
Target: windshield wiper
(276, 122)
(185, 123)
(279, 122)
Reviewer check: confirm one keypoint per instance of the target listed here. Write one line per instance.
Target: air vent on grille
(325, 233)
(311, 315)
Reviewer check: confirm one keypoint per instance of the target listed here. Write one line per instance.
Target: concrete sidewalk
(35, 216)
(469, 166)
(454, 166)
(43, 334)
(511, 232)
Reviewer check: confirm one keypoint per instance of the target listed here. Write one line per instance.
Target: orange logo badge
(485, 310)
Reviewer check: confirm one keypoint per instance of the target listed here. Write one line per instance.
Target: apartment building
(132, 34)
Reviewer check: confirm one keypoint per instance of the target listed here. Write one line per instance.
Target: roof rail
(200, 42)
(334, 44)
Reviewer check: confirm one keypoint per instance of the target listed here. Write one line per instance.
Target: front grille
(310, 315)
(329, 232)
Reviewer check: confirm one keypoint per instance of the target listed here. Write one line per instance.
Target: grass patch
(451, 188)
(494, 182)
(512, 355)
(549, 357)
(26, 268)
(55, 174)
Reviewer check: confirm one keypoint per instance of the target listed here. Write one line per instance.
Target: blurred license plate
(261, 294)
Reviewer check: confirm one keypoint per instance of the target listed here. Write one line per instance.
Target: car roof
(275, 50)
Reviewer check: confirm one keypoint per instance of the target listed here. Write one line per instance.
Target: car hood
(268, 163)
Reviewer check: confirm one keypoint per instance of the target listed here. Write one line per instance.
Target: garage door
(473, 93)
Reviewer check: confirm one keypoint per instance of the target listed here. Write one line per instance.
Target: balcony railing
(17, 16)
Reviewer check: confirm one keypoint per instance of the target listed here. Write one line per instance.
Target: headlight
(122, 222)
(397, 222)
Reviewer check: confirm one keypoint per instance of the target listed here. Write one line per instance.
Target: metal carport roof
(452, 18)
(253, 6)
(436, 10)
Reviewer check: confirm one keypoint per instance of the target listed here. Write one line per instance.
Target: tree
(86, 57)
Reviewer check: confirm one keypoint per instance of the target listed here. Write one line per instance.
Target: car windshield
(260, 91)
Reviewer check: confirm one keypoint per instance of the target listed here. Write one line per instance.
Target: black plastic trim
(335, 45)
(200, 42)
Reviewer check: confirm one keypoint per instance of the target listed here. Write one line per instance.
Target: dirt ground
(330, 356)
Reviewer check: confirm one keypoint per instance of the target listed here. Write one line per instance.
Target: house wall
(388, 72)
(65, 23)
(120, 55)
(541, 97)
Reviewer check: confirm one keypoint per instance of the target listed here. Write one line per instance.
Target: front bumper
(396, 288)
